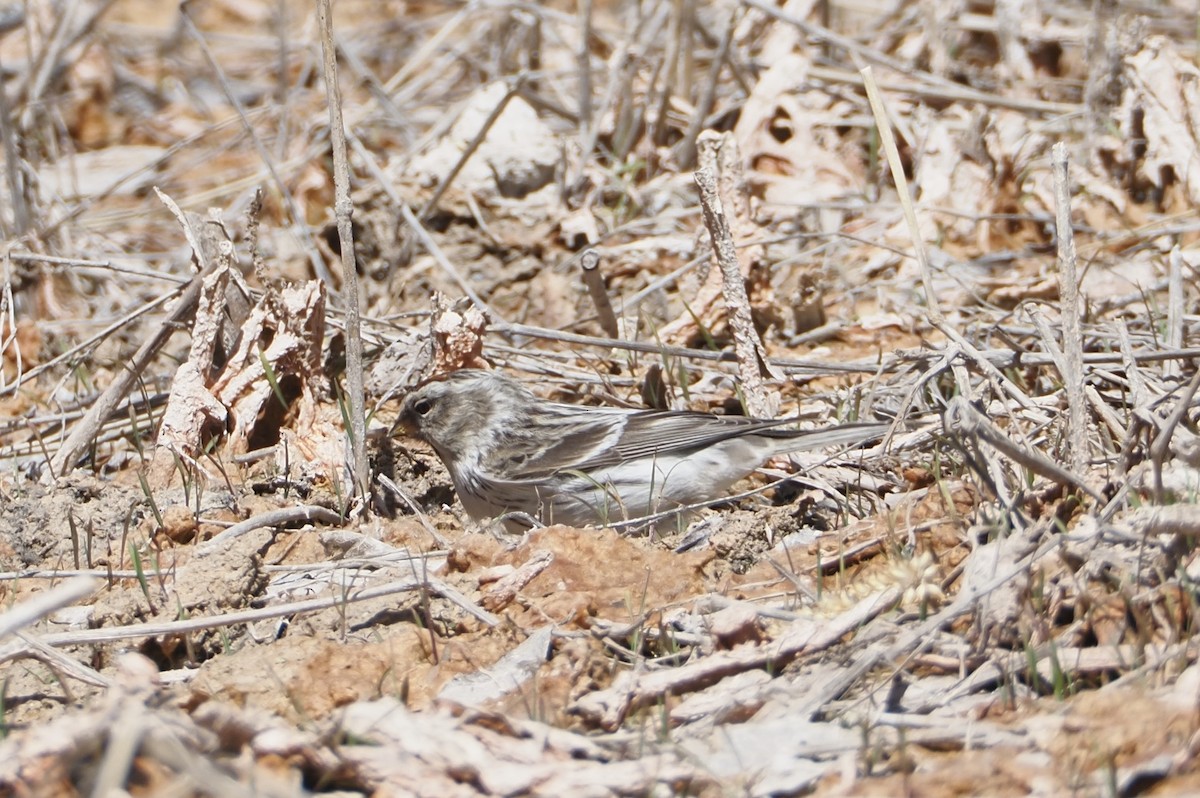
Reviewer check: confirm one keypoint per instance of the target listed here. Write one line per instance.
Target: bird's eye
(422, 407)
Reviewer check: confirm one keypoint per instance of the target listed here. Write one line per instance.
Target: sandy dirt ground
(996, 597)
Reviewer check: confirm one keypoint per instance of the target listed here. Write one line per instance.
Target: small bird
(509, 452)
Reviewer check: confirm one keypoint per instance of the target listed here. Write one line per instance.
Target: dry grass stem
(219, 214)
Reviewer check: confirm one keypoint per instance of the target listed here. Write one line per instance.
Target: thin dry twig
(750, 355)
(305, 242)
(155, 629)
(1072, 333)
(514, 89)
(964, 420)
(607, 708)
(1176, 309)
(584, 70)
(418, 229)
(76, 351)
(344, 210)
(1162, 442)
(439, 539)
(685, 149)
(14, 175)
(888, 143)
(589, 265)
(78, 442)
(1171, 519)
(41, 605)
(272, 518)
(62, 664)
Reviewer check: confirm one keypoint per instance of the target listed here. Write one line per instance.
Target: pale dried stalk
(1175, 310)
(589, 264)
(747, 346)
(1162, 441)
(888, 143)
(153, 629)
(296, 216)
(473, 145)
(79, 441)
(272, 518)
(344, 210)
(41, 605)
(1077, 418)
(965, 421)
(607, 708)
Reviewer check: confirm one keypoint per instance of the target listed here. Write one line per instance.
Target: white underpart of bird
(509, 452)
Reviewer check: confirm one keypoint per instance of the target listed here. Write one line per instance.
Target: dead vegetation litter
(976, 222)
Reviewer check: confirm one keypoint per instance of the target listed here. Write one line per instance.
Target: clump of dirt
(995, 594)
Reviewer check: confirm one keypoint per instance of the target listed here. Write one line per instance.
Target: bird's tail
(848, 435)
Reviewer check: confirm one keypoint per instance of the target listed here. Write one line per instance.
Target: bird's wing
(591, 439)
(605, 438)
(663, 432)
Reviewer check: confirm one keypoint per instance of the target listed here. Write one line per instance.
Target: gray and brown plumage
(508, 451)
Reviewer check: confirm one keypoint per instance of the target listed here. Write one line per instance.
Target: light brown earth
(998, 599)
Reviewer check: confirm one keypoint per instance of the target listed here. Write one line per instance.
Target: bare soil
(996, 599)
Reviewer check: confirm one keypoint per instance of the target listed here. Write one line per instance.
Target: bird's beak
(404, 425)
